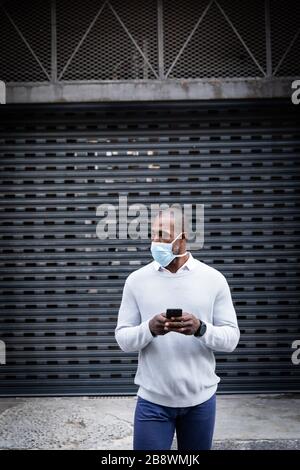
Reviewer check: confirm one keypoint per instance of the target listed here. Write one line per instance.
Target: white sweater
(174, 369)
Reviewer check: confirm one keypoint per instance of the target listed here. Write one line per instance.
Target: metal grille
(114, 40)
(285, 27)
(121, 35)
(25, 41)
(61, 286)
(202, 41)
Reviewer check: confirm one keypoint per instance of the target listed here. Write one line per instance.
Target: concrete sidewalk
(243, 422)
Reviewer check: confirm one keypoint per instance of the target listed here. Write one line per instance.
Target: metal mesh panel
(285, 37)
(248, 18)
(25, 41)
(61, 287)
(213, 49)
(179, 19)
(109, 50)
(73, 19)
(119, 40)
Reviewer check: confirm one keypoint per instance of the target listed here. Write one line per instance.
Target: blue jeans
(154, 425)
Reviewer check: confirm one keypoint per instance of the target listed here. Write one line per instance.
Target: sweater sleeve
(223, 334)
(131, 334)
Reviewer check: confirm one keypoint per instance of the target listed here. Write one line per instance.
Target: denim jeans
(155, 425)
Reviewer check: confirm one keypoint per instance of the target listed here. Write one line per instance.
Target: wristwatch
(201, 330)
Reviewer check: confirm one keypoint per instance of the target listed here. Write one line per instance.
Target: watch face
(202, 329)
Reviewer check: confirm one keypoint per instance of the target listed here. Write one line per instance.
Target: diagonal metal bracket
(19, 32)
(240, 38)
(132, 39)
(287, 51)
(189, 37)
(82, 39)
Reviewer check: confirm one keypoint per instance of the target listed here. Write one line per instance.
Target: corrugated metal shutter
(61, 286)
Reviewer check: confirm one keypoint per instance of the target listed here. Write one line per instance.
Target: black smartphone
(173, 312)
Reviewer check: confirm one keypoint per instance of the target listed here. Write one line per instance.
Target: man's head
(167, 225)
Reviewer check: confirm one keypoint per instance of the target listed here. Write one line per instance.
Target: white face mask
(163, 253)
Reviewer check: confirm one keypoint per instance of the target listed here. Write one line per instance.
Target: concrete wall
(149, 90)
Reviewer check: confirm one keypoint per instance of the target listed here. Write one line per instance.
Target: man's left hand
(187, 324)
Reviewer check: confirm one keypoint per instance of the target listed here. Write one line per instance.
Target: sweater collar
(187, 266)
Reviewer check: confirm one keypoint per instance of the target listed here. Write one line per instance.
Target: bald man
(176, 363)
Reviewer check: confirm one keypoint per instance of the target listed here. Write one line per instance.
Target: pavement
(106, 423)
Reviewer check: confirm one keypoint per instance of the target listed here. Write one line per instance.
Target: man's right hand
(157, 324)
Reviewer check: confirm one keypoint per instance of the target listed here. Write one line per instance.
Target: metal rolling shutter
(61, 286)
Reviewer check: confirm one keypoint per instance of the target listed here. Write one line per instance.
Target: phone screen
(173, 312)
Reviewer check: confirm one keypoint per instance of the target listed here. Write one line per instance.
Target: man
(176, 364)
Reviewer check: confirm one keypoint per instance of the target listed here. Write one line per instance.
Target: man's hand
(187, 324)
(157, 324)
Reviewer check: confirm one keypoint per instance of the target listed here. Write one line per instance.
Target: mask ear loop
(178, 256)
(177, 237)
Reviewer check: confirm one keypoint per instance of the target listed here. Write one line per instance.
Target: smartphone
(173, 312)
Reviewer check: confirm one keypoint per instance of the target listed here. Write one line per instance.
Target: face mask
(162, 252)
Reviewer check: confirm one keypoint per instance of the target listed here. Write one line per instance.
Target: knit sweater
(175, 369)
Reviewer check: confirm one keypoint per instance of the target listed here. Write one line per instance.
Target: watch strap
(201, 330)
